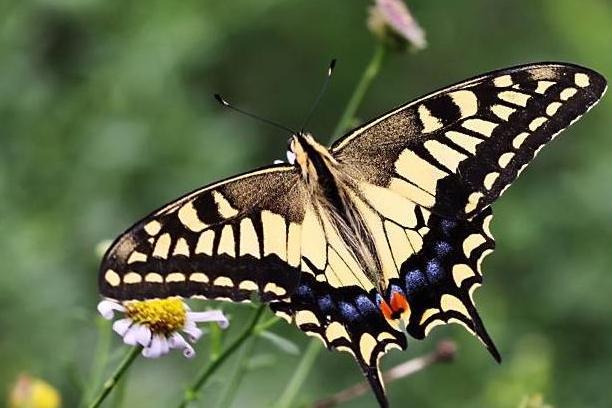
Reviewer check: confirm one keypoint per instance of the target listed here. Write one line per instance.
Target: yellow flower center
(162, 316)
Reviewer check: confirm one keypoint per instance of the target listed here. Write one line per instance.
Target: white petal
(210, 316)
(193, 331)
(188, 351)
(155, 348)
(121, 326)
(143, 335)
(165, 346)
(107, 307)
(178, 342)
(131, 336)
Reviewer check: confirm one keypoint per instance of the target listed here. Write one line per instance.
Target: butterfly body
(333, 194)
(379, 236)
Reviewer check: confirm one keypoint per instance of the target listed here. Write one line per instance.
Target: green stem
(241, 364)
(114, 378)
(191, 394)
(119, 395)
(100, 359)
(367, 77)
(300, 374)
(240, 369)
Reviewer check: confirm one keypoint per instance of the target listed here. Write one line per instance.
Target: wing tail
(481, 332)
(374, 377)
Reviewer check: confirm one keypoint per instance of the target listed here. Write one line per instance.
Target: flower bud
(392, 23)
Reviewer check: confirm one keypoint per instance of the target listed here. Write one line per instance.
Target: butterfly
(380, 236)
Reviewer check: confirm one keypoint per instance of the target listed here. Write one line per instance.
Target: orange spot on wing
(386, 310)
(399, 303)
(398, 306)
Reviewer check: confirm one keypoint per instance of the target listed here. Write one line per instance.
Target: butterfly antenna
(330, 71)
(226, 104)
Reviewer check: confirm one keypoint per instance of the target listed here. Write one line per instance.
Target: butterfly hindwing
(456, 150)
(435, 261)
(440, 280)
(229, 240)
(344, 319)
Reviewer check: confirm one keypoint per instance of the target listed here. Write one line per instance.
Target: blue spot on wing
(415, 280)
(348, 311)
(433, 269)
(395, 288)
(304, 291)
(447, 226)
(443, 248)
(326, 304)
(365, 305)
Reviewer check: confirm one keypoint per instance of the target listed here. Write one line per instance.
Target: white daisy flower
(156, 324)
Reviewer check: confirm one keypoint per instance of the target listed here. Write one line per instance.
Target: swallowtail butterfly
(380, 235)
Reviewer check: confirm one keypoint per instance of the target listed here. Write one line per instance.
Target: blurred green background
(106, 113)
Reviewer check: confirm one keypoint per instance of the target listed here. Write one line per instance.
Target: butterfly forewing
(456, 150)
(228, 240)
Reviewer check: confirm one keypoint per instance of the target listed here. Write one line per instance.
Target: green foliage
(106, 113)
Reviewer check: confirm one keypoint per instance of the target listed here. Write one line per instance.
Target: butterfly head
(309, 155)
